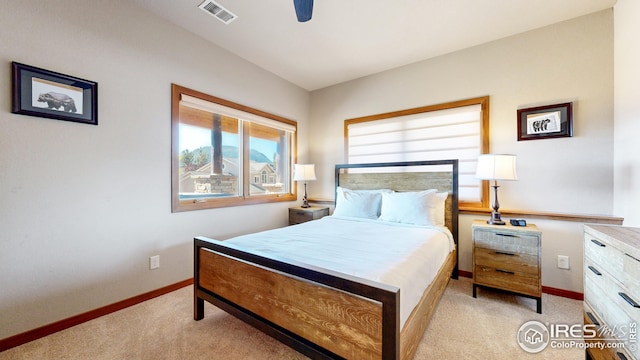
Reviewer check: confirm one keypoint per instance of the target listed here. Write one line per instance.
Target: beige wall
(627, 111)
(83, 207)
(568, 61)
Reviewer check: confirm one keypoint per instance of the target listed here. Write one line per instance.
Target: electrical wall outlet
(563, 262)
(154, 262)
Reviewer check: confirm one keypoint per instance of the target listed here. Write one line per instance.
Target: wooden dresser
(612, 290)
(508, 258)
(298, 214)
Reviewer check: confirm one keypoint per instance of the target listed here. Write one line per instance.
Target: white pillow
(418, 208)
(439, 200)
(358, 203)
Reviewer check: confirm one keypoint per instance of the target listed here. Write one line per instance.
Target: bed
(326, 313)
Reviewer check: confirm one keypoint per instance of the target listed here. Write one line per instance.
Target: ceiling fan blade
(304, 9)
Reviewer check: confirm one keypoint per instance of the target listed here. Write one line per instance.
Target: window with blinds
(226, 154)
(456, 130)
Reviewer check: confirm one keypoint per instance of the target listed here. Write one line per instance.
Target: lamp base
(305, 202)
(495, 219)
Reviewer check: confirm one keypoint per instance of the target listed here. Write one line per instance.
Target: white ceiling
(348, 39)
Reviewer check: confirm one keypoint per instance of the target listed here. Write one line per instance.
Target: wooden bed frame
(346, 316)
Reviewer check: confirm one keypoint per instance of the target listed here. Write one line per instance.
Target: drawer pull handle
(598, 243)
(505, 253)
(505, 272)
(507, 235)
(628, 299)
(595, 271)
(633, 257)
(621, 356)
(593, 319)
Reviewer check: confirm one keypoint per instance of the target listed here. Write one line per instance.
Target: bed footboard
(320, 313)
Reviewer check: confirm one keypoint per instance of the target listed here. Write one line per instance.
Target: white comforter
(405, 256)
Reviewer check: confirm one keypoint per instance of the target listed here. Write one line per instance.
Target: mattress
(402, 255)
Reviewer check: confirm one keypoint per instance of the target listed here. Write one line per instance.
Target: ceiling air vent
(217, 11)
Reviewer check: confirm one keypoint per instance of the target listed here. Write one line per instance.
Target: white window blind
(211, 107)
(454, 133)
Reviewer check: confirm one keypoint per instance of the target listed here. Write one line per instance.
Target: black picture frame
(48, 94)
(545, 122)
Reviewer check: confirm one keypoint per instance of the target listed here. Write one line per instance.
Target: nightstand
(298, 214)
(507, 257)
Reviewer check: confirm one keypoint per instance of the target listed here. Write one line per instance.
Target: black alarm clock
(518, 222)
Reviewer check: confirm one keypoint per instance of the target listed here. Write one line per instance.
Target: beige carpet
(163, 328)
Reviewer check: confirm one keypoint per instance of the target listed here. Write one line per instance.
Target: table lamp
(304, 172)
(496, 167)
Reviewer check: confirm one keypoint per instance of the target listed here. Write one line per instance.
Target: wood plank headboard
(441, 175)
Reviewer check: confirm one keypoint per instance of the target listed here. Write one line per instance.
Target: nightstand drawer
(523, 283)
(509, 261)
(298, 215)
(507, 241)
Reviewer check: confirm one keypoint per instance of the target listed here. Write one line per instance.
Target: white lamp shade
(304, 172)
(496, 167)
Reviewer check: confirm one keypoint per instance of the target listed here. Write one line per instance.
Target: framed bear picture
(44, 93)
(544, 122)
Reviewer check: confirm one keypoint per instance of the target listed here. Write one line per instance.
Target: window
(227, 154)
(455, 130)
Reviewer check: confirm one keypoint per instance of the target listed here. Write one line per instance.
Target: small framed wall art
(44, 93)
(544, 122)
